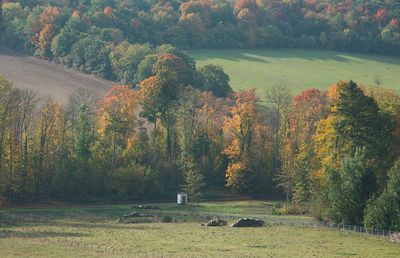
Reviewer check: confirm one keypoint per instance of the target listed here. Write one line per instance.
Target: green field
(94, 232)
(301, 69)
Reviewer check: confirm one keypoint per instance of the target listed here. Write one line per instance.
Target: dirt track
(49, 79)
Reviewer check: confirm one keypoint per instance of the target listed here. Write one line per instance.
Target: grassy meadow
(93, 231)
(301, 69)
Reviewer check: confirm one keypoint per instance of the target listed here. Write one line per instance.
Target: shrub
(167, 219)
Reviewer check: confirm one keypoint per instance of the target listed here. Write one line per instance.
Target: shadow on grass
(33, 216)
(38, 234)
(262, 55)
(108, 225)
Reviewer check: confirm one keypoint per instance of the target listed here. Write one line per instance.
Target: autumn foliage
(108, 10)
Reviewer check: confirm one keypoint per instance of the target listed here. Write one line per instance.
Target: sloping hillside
(49, 79)
(300, 69)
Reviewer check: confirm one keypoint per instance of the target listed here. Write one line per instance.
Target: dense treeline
(140, 143)
(108, 38)
(339, 153)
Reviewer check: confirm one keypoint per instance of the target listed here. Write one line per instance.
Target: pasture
(300, 69)
(93, 231)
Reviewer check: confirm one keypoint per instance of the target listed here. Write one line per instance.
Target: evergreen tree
(383, 212)
(358, 123)
(348, 190)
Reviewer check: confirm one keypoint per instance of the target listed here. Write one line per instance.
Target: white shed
(181, 198)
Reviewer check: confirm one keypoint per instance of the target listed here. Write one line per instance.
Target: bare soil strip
(48, 79)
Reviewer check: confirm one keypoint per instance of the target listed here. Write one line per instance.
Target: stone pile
(248, 222)
(215, 223)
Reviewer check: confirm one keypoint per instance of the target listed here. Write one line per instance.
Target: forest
(169, 125)
(110, 38)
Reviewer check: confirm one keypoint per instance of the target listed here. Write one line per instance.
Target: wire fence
(308, 222)
(335, 226)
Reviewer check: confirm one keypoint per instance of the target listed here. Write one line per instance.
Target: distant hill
(111, 38)
(49, 79)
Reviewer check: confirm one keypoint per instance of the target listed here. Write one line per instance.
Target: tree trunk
(114, 151)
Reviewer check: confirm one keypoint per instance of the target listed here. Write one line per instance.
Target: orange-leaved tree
(297, 151)
(117, 117)
(245, 135)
